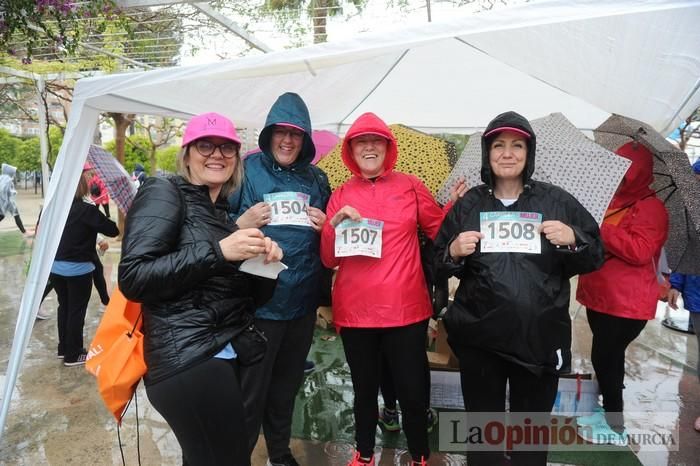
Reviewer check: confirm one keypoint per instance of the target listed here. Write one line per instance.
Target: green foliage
(32, 22)
(55, 141)
(8, 147)
(167, 159)
(28, 156)
(134, 152)
(459, 140)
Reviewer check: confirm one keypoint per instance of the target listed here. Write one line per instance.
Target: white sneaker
(594, 418)
(43, 315)
(602, 434)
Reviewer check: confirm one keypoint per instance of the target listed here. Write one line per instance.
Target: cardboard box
(442, 357)
(324, 317)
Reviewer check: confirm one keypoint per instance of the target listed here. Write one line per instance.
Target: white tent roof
(586, 59)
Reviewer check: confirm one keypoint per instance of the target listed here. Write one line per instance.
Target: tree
(28, 156)
(157, 134)
(33, 22)
(8, 147)
(167, 159)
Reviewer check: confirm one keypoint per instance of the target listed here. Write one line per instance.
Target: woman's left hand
(316, 217)
(558, 233)
(459, 189)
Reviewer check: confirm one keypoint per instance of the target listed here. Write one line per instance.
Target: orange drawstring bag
(115, 356)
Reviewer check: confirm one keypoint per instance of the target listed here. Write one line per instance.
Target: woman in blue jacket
(285, 196)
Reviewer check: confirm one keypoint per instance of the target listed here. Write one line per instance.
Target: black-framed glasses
(207, 148)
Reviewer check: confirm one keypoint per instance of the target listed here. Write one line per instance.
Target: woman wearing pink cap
(180, 259)
(514, 243)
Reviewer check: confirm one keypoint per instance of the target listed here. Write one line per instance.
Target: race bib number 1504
(510, 232)
(363, 238)
(288, 208)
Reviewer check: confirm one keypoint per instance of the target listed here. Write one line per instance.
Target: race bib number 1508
(510, 232)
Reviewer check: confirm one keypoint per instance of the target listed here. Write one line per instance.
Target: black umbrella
(674, 183)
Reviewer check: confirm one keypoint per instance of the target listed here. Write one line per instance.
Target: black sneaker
(285, 460)
(79, 361)
(309, 367)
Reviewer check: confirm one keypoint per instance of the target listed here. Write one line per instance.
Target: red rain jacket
(626, 286)
(389, 291)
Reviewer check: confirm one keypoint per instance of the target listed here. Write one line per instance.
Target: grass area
(12, 243)
(323, 410)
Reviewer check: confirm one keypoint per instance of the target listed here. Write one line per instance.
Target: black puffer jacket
(193, 300)
(516, 304)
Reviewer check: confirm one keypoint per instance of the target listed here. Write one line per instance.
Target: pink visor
(508, 128)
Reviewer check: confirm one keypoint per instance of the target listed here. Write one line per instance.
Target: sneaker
(79, 361)
(309, 367)
(285, 460)
(602, 434)
(432, 419)
(596, 417)
(388, 419)
(357, 461)
(43, 315)
(59, 355)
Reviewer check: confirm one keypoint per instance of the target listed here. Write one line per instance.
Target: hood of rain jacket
(369, 123)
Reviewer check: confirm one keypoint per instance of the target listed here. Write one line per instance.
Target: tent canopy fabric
(585, 58)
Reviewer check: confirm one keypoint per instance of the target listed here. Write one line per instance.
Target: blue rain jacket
(689, 286)
(298, 288)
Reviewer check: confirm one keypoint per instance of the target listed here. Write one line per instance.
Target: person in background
(8, 204)
(621, 297)
(139, 175)
(381, 304)
(509, 321)
(98, 190)
(71, 272)
(180, 258)
(284, 195)
(688, 286)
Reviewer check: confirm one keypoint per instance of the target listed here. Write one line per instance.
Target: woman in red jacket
(380, 300)
(621, 296)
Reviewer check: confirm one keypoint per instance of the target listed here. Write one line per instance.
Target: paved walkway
(57, 418)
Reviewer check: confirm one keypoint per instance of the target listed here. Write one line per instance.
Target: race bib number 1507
(363, 238)
(510, 232)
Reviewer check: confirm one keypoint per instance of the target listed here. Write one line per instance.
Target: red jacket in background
(626, 286)
(389, 291)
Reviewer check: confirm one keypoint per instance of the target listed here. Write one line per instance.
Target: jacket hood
(639, 176)
(8, 170)
(369, 123)
(507, 120)
(289, 109)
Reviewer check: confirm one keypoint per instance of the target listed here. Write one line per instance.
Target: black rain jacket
(516, 304)
(193, 300)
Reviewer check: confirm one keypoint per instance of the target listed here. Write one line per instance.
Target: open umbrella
(119, 184)
(674, 183)
(428, 157)
(565, 157)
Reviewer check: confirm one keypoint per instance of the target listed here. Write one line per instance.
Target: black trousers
(203, 406)
(270, 387)
(73, 295)
(611, 337)
(403, 348)
(484, 376)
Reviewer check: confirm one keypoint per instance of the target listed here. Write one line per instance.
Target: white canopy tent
(584, 58)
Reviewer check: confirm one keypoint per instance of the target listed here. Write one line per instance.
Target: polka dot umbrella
(428, 157)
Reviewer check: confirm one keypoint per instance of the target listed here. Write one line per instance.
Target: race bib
(288, 208)
(363, 238)
(510, 232)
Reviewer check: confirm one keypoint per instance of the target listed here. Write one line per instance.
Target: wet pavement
(57, 418)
